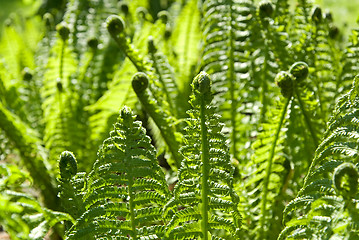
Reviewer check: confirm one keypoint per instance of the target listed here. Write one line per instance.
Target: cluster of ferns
(179, 119)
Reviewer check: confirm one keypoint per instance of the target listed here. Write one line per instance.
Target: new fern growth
(204, 202)
(126, 190)
(225, 170)
(325, 204)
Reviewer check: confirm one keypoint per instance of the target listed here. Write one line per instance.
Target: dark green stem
(269, 169)
(61, 65)
(160, 118)
(131, 53)
(132, 206)
(306, 117)
(205, 170)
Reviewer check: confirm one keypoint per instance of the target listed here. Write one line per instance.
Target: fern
(269, 171)
(160, 112)
(241, 152)
(225, 36)
(204, 194)
(126, 181)
(21, 214)
(328, 193)
(31, 152)
(185, 39)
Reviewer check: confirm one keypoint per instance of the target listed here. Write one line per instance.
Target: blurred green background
(345, 12)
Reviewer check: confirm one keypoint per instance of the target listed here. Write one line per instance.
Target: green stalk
(61, 65)
(306, 118)
(132, 206)
(264, 91)
(168, 131)
(232, 87)
(205, 170)
(269, 168)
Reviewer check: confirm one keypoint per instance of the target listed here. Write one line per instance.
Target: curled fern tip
(317, 15)
(92, 43)
(345, 179)
(141, 12)
(48, 19)
(299, 70)
(26, 74)
(265, 9)
(123, 7)
(59, 85)
(63, 30)
(333, 32)
(115, 25)
(164, 16)
(67, 165)
(151, 45)
(139, 82)
(202, 83)
(284, 80)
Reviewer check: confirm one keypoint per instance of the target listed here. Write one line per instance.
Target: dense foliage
(188, 119)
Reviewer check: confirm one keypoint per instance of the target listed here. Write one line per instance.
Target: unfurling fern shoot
(345, 179)
(204, 203)
(71, 184)
(67, 165)
(126, 189)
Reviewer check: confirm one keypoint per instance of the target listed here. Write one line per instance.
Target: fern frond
(32, 154)
(21, 215)
(329, 193)
(161, 117)
(125, 181)
(185, 40)
(266, 175)
(225, 57)
(205, 186)
(165, 75)
(349, 67)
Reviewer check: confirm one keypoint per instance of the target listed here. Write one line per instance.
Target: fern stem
(168, 131)
(205, 170)
(232, 86)
(132, 205)
(264, 85)
(61, 66)
(269, 169)
(306, 118)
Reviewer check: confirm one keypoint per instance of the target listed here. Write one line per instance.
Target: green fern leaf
(327, 199)
(205, 186)
(126, 181)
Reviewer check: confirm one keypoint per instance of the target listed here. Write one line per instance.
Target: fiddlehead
(345, 179)
(205, 186)
(284, 81)
(71, 185)
(67, 165)
(140, 82)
